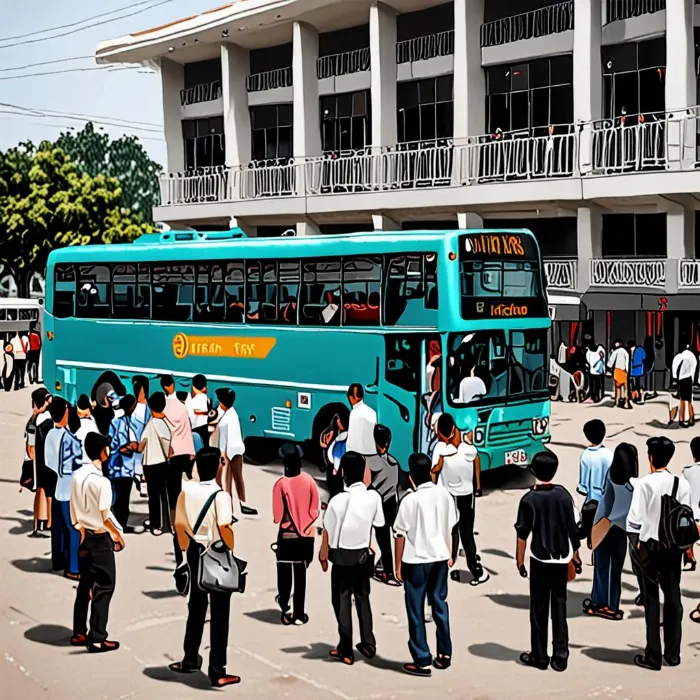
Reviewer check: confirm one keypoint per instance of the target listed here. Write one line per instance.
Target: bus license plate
(518, 457)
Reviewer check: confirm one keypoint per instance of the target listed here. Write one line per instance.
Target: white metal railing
(205, 92)
(689, 274)
(628, 273)
(269, 80)
(424, 47)
(561, 274)
(343, 63)
(624, 9)
(550, 19)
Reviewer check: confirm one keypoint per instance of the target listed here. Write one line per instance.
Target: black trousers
(158, 509)
(197, 613)
(348, 582)
(597, 391)
(173, 482)
(464, 530)
(33, 366)
(97, 577)
(664, 571)
(121, 486)
(181, 464)
(548, 591)
(20, 366)
(288, 574)
(383, 534)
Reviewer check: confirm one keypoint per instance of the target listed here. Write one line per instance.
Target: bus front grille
(513, 433)
(282, 420)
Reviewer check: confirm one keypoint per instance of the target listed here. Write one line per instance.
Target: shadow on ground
(52, 635)
(623, 657)
(160, 595)
(497, 652)
(197, 680)
(272, 616)
(35, 565)
(316, 651)
(521, 601)
(506, 479)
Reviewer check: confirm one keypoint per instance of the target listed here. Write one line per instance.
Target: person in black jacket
(546, 515)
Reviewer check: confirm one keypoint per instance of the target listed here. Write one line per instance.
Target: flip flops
(416, 670)
(224, 681)
(369, 652)
(181, 667)
(387, 579)
(337, 656)
(695, 615)
(102, 647)
(442, 662)
(603, 612)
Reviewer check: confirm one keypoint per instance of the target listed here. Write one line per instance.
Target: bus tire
(261, 451)
(322, 420)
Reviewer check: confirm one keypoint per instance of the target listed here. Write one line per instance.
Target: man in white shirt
(87, 423)
(455, 464)
(619, 363)
(100, 537)
(197, 404)
(347, 533)
(423, 529)
(232, 449)
(663, 567)
(20, 345)
(363, 418)
(595, 359)
(685, 371)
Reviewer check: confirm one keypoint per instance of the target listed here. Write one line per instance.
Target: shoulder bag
(291, 546)
(219, 570)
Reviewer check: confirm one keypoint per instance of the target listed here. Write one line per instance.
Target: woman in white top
(455, 466)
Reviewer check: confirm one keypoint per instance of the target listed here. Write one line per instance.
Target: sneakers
(643, 662)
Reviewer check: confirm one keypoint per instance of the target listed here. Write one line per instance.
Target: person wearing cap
(87, 424)
(100, 537)
(40, 415)
(547, 517)
(423, 528)
(295, 508)
(232, 448)
(181, 445)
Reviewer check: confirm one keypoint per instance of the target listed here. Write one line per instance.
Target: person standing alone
(619, 363)
(685, 371)
(33, 355)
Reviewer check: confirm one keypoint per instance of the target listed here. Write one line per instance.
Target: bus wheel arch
(321, 421)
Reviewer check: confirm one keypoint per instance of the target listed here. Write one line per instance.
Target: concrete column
(235, 66)
(469, 77)
(382, 50)
(468, 219)
(172, 76)
(589, 240)
(307, 228)
(384, 223)
(680, 241)
(307, 125)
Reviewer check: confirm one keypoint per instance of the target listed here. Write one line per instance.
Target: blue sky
(124, 94)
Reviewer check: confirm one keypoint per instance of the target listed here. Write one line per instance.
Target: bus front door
(429, 391)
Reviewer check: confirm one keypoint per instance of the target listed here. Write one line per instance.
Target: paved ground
(490, 624)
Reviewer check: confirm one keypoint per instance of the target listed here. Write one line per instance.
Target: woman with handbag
(295, 507)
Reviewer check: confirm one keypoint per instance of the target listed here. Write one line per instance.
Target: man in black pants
(100, 537)
(547, 513)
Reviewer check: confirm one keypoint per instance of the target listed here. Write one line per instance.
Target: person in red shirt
(33, 354)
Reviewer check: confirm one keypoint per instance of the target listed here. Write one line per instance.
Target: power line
(56, 113)
(45, 63)
(104, 122)
(68, 70)
(87, 26)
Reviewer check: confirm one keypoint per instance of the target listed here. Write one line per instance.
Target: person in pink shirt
(295, 507)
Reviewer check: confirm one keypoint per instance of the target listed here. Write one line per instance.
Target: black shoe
(642, 661)
(247, 510)
(526, 659)
(559, 665)
(672, 662)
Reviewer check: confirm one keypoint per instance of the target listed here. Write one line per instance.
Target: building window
(530, 96)
(271, 128)
(425, 109)
(204, 142)
(634, 236)
(345, 122)
(634, 79)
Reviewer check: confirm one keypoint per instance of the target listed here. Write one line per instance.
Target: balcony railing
(343, 63)
(628, 273)
(561, 274)
(551, 19)
(624, 9)
(424, 47)
(206, 92)
(689, 273)
(269, 80)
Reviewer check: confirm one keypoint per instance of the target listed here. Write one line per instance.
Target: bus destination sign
(207, 346)
(500, 245)
(477, 308)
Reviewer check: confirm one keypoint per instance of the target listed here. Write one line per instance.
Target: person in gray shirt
(384, 471)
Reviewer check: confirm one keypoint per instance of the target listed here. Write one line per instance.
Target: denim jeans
(421, 581)
(608, 560)
(65, 539)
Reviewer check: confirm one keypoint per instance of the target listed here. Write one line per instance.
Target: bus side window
(235, 292)
(64, 291)
(362, 279)
(129, 298)
(410, 296)
(268, 292)
(94, 291)
(289, 277)
(173, 292)
(252, 277)
(209, 294)
(321, 294)
(402, 361)
(217, 297)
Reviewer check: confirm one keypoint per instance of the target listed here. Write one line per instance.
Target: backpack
(677, 528)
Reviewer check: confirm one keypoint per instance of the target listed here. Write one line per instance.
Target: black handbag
(352, 557)
(26, 479)
(182, 578)
(291, 546)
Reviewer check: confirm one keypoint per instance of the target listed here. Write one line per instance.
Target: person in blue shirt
(63, 454)
(638, 358)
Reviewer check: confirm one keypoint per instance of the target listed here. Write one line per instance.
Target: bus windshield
(495, 366)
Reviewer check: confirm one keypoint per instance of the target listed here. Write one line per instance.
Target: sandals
(416, 670)
(604, 612)
(79, 640)
(387, 579)
(442, 662)
(368, 651)
(485, 576)
(695, 615)
(289, 619)
(224, 681)
(527, 659)
(156, 532)
(337, 656)
(71, 576)
(102, 647)
(181, 667)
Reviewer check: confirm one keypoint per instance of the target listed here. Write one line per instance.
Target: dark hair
(661, 450)
(140, 382)
(199, 382)
(356, 391)
(420, 467)
(382, 436)
(445, 425)
(95, 443)
(73, 419)
(84, 402)
(39, 397)
(291, 456)
(181, 396)
(352, 465)
(544, 465)
(166, 380)
(57, 408)
(595, 430)
(208, 460)
(695, 448)
(226, 396)
(127, 403)
(156, 402)
(625, 464)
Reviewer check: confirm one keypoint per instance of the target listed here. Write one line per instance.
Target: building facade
(576, 119)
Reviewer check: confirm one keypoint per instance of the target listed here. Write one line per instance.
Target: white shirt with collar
(198, 402)
(645, 511)
(685, 365)
(363, 418)
(619, 359)
(351, 515)
(692, 476)
(87, 425)
(230, 437)
(90, 496)
(220, 512)
(457, 473)
(426, 519)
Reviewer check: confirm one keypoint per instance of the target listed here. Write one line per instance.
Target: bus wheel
(323, 419)
(261, 451)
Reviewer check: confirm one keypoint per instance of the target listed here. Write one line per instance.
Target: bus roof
(205, 245)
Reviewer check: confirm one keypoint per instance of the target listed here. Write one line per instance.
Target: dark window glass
(289, 279)
(520, 77)
(411, 293)
(271, 128)
(539, 73)
(204, 142)
(424, 110)
(362, 279)
(561, 69)
(403, 356)
(131, 291)
(321, 293)
(172, 292)
(235, 292)
(345, 122)
(209, 300)
(634, 235)
(94, 297)
(64, 291)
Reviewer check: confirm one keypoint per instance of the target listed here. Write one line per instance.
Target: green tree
(124, 159)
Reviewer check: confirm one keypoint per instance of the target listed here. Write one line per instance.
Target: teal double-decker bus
(426, 321)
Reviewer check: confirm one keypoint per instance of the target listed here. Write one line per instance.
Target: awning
(565, 308)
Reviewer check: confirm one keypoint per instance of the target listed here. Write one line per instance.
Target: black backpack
(677, 527)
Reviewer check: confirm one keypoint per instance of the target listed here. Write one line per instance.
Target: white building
(576, 119)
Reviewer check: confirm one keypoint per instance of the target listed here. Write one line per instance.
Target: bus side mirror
(371, 389)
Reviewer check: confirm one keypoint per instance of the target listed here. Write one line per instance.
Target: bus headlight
(540, 426)
(479, 436)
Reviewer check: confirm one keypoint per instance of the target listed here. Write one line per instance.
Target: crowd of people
(85, 461)
(20, 359)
